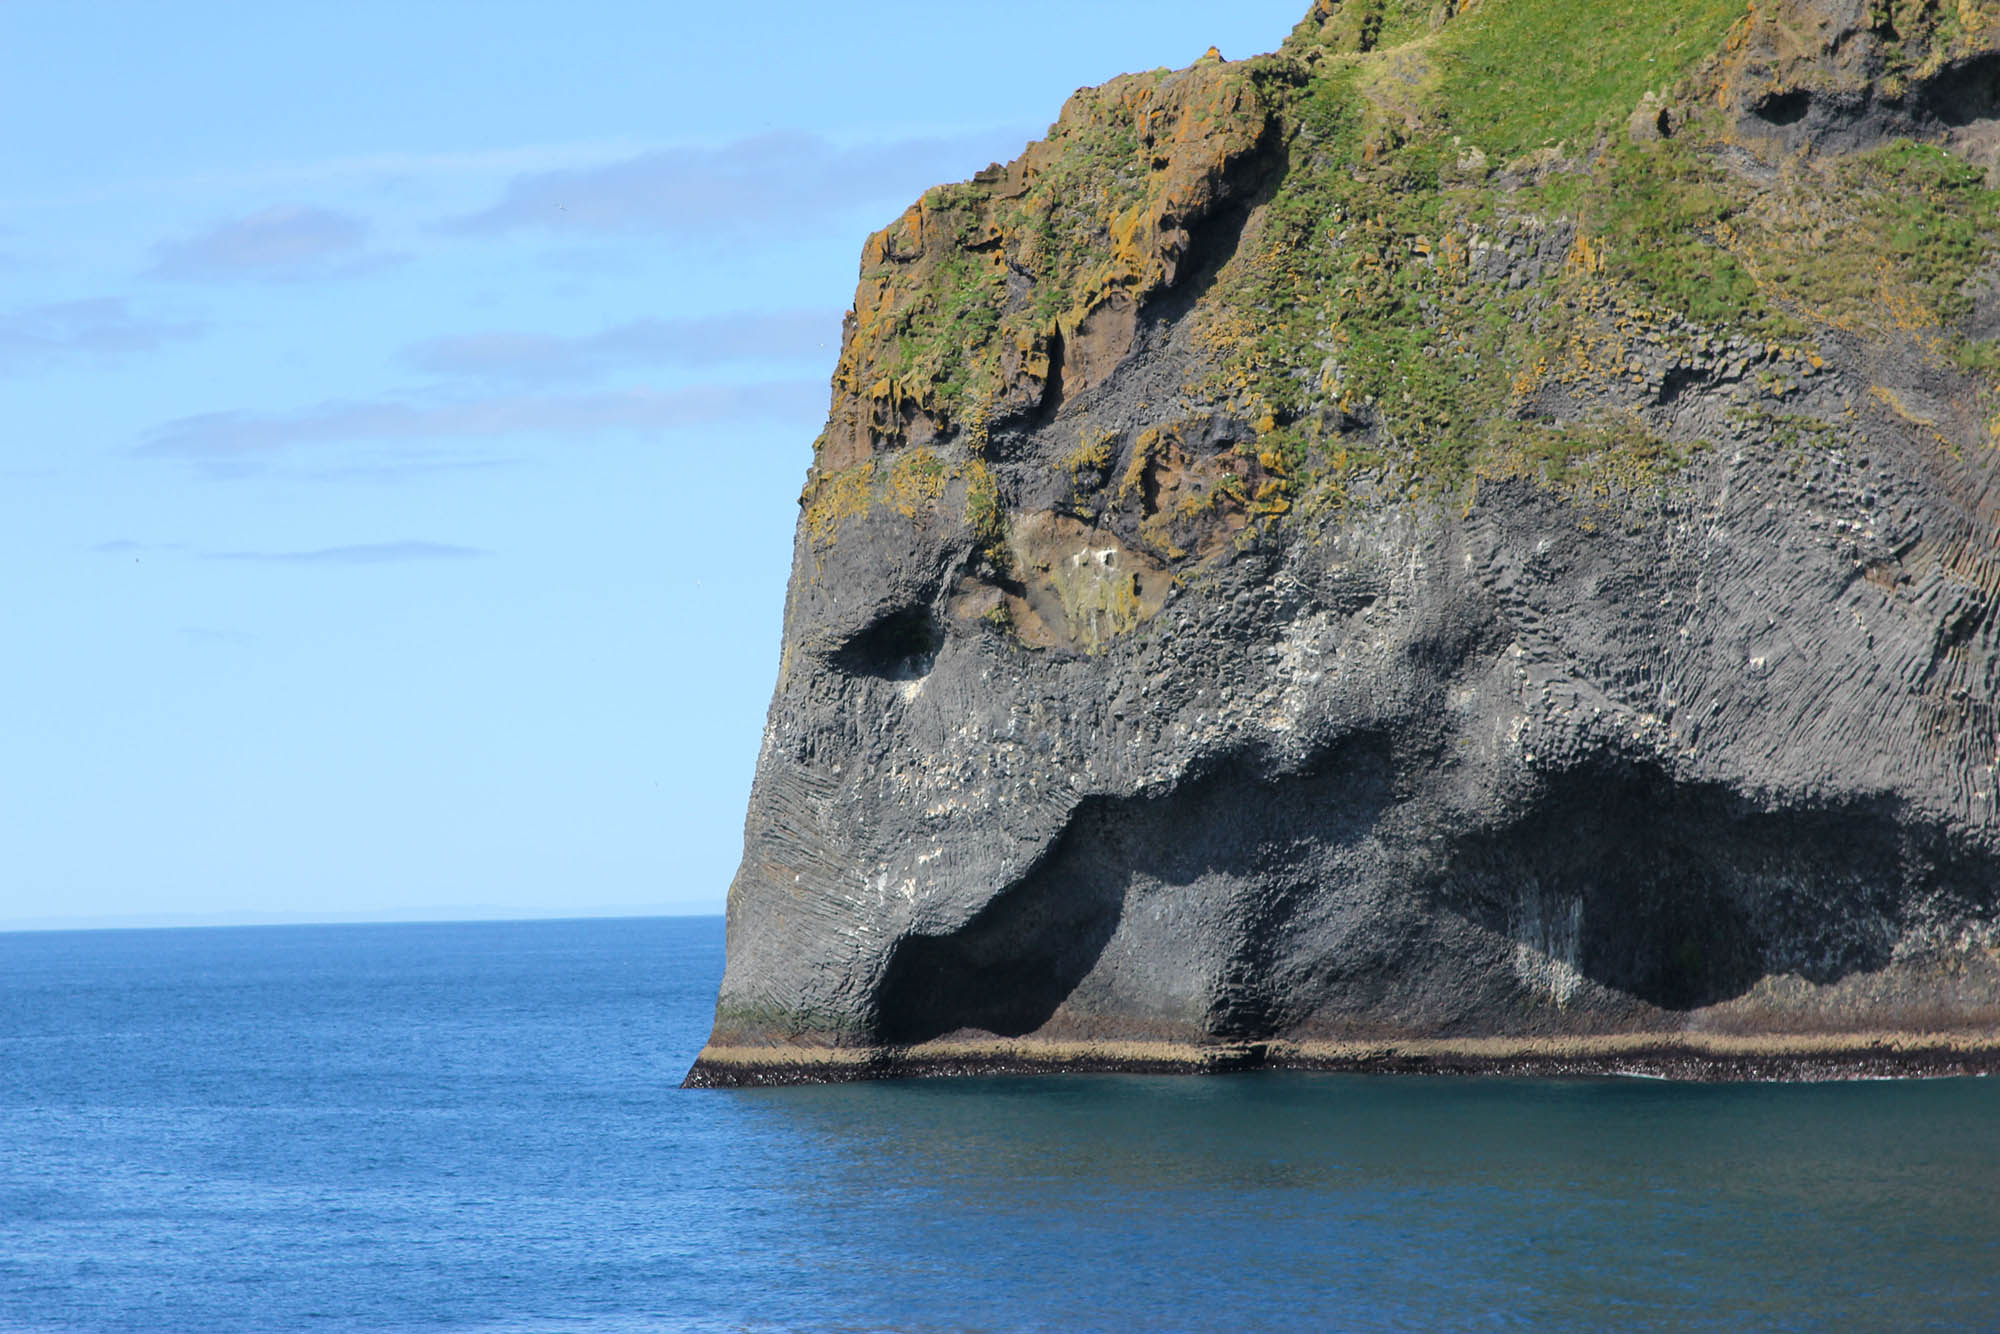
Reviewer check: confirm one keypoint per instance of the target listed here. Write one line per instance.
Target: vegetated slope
(1476, 528)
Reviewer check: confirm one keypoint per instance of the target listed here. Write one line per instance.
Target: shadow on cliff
(1673, 895)
(1958, 96)
(1221, 855)
(1684, 896)
(1212, 240)
(1009, 968)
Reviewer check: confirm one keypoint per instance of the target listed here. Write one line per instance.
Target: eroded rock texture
(1328, 557)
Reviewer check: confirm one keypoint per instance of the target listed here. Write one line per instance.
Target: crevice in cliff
(1214, 240)
(1050, 403)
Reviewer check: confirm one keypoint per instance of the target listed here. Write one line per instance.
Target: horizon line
(440, 915)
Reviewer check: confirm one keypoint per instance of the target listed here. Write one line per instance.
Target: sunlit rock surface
(1468, 542)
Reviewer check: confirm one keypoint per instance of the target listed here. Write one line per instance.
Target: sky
(403, 410)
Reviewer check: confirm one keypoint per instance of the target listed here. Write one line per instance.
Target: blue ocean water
(477, 1127)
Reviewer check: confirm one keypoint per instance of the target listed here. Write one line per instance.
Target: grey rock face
(1708, 760)
(1729, 755)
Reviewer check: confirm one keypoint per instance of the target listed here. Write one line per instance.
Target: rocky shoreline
(1690, 1058)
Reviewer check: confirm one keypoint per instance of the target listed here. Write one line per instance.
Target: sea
(480, 1128)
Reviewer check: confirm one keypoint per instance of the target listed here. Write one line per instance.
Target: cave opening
(1962, 94)
(1686, 895)
(901, 645)
(1787, 108)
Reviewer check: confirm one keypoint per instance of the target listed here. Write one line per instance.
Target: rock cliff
(1469, 542)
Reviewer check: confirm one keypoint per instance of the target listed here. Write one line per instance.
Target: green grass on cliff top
(1524, 74)
(1336, 276)
(1337, 296)
(1340, 288)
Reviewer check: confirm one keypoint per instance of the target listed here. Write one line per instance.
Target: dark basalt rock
(1083, 756)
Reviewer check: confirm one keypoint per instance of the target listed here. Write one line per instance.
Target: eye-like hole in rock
(1784, 108)
(1962, 94)
(899, 646)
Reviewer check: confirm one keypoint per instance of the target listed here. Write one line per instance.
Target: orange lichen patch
(1145, 452)
(1092, 457)
(985, 517)
(1529, 378)
(1586, 255)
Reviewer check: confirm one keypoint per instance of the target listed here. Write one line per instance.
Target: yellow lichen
(1144, 450)
(832, 499)
(1091, 455)
(1099, 598)
(916, 481)
(984, 514)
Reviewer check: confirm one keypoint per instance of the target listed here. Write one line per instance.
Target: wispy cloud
(787, 180)
(341, 172)
(102, 329)
(363, 553)
(367, 553)
(740, 336)
(285, 244)
(245, 436)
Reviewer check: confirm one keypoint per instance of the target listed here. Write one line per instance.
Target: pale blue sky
(405, 409)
